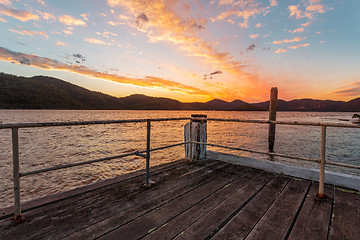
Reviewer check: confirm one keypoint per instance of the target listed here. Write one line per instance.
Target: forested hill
(42, 92)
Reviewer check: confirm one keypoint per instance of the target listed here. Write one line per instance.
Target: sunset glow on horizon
(188, 50)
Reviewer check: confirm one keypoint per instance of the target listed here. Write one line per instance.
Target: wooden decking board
(240, 226)
(193, 201)
(209, 223)
(143, 225)
(345, 216)
(36, 203)
(314, 218)
(136, 210)
(75, 211)
(176, 225)
(276, 221)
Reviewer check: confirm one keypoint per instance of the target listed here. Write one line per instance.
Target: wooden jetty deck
(201, 200)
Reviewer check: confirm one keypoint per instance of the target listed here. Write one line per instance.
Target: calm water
(51, 146)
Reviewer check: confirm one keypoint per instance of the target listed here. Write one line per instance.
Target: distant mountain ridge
(42, 92)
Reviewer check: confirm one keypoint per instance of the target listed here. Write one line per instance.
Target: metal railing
(322, 159)
(15, 147)
(15, 150)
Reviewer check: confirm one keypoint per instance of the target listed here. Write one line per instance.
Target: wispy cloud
(280, 50)
(350, 90)
(242, 9)
(2, 20)
(253, 35)
(299, 45)
(18, 14)
(51, 64)
(296, 39)
(41, 2)
(308, 9)
(29, 32)
(47, 16)
(71, 21)
(59, 43)
(97, 41)
(162, 23)
(298, 30)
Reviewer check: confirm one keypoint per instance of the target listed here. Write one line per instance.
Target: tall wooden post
(272, 117)
(198, 133)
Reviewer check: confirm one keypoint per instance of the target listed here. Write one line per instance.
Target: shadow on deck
(200, 200)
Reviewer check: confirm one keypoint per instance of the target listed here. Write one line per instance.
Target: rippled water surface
(52, 146)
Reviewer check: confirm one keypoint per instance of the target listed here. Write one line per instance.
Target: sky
(188, 50)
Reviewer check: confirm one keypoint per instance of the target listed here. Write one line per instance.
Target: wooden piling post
(322, 162)
(148, 128)
(198, 133)
(272, 117)
(16, 174)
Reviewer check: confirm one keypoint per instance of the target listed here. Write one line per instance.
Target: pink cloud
(296, 39)
(280, 50)
(17, 14)
(71, 21)
(28, 32)
(299, 45)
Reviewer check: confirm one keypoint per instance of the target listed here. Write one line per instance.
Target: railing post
(16, 175)
(272, 117)
(190, 140)
(148, 126)
(322, 162)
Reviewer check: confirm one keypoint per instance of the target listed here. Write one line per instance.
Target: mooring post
(322, 162)
(148, 126)
(16, 174)
(272, 117)
(196, 131)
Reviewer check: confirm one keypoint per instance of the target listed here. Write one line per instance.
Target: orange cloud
(71, 21)
(160, 22)
(311, 7)
(51, 64)
(47, 16)
(59, 43)
(350, 90)
(273, 3)
(2, 20)
(280, 50)
(253, 35)
(296, 39)
(5, 2)
(298, 30)
(17, 14)
(299, 45)
(241, 9)
(28, 32)
(96, 41)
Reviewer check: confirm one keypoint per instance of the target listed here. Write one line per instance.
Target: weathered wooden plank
(240, 226)
(345, 222)
(176, 225)
(210, 223)
(277, 220)
(120, 216)
(314, 218)
(145, 224)
(88, 210)
(32, 204)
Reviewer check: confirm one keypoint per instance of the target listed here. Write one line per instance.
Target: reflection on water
(52, 146)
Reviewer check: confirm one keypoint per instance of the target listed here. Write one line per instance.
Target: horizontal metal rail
(279, 155)
(62, 124)
(281, 122)
(95, 160)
